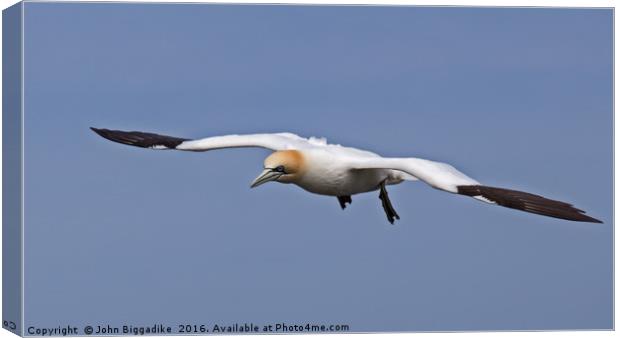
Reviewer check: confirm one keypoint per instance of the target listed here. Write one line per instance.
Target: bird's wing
(280, 141)
(445, 177)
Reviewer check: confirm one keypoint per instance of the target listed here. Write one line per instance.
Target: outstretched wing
(445, 177)
(527, 202)
(280, 141)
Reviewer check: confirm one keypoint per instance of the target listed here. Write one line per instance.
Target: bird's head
(285, 166)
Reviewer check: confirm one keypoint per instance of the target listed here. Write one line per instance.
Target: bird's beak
(266, 176)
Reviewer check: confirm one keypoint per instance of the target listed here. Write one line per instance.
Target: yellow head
(285, 166)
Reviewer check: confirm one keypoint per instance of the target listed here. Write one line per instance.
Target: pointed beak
(266, 176)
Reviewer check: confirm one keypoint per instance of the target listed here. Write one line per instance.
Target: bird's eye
(279, 169)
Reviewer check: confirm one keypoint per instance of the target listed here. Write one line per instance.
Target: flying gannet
(335, 170)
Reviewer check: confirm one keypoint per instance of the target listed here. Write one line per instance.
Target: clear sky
(516, 98)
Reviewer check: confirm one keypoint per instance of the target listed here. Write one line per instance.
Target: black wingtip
(527, 202)
(97, 130)
(140, 139)
(592, 220)
(103, 133)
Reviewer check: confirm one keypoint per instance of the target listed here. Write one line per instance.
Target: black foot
(387, 205)
(343, 200)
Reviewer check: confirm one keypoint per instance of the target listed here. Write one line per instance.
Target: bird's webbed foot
(343, 200)
(387, 205)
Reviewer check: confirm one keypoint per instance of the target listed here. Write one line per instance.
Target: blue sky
(517, 98)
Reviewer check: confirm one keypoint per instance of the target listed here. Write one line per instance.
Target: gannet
(335, 170)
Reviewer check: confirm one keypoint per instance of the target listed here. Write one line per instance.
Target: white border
(480, 3)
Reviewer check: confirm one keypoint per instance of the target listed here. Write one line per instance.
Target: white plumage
(335, 170)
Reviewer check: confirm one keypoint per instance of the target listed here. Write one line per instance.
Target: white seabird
(334, 170)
